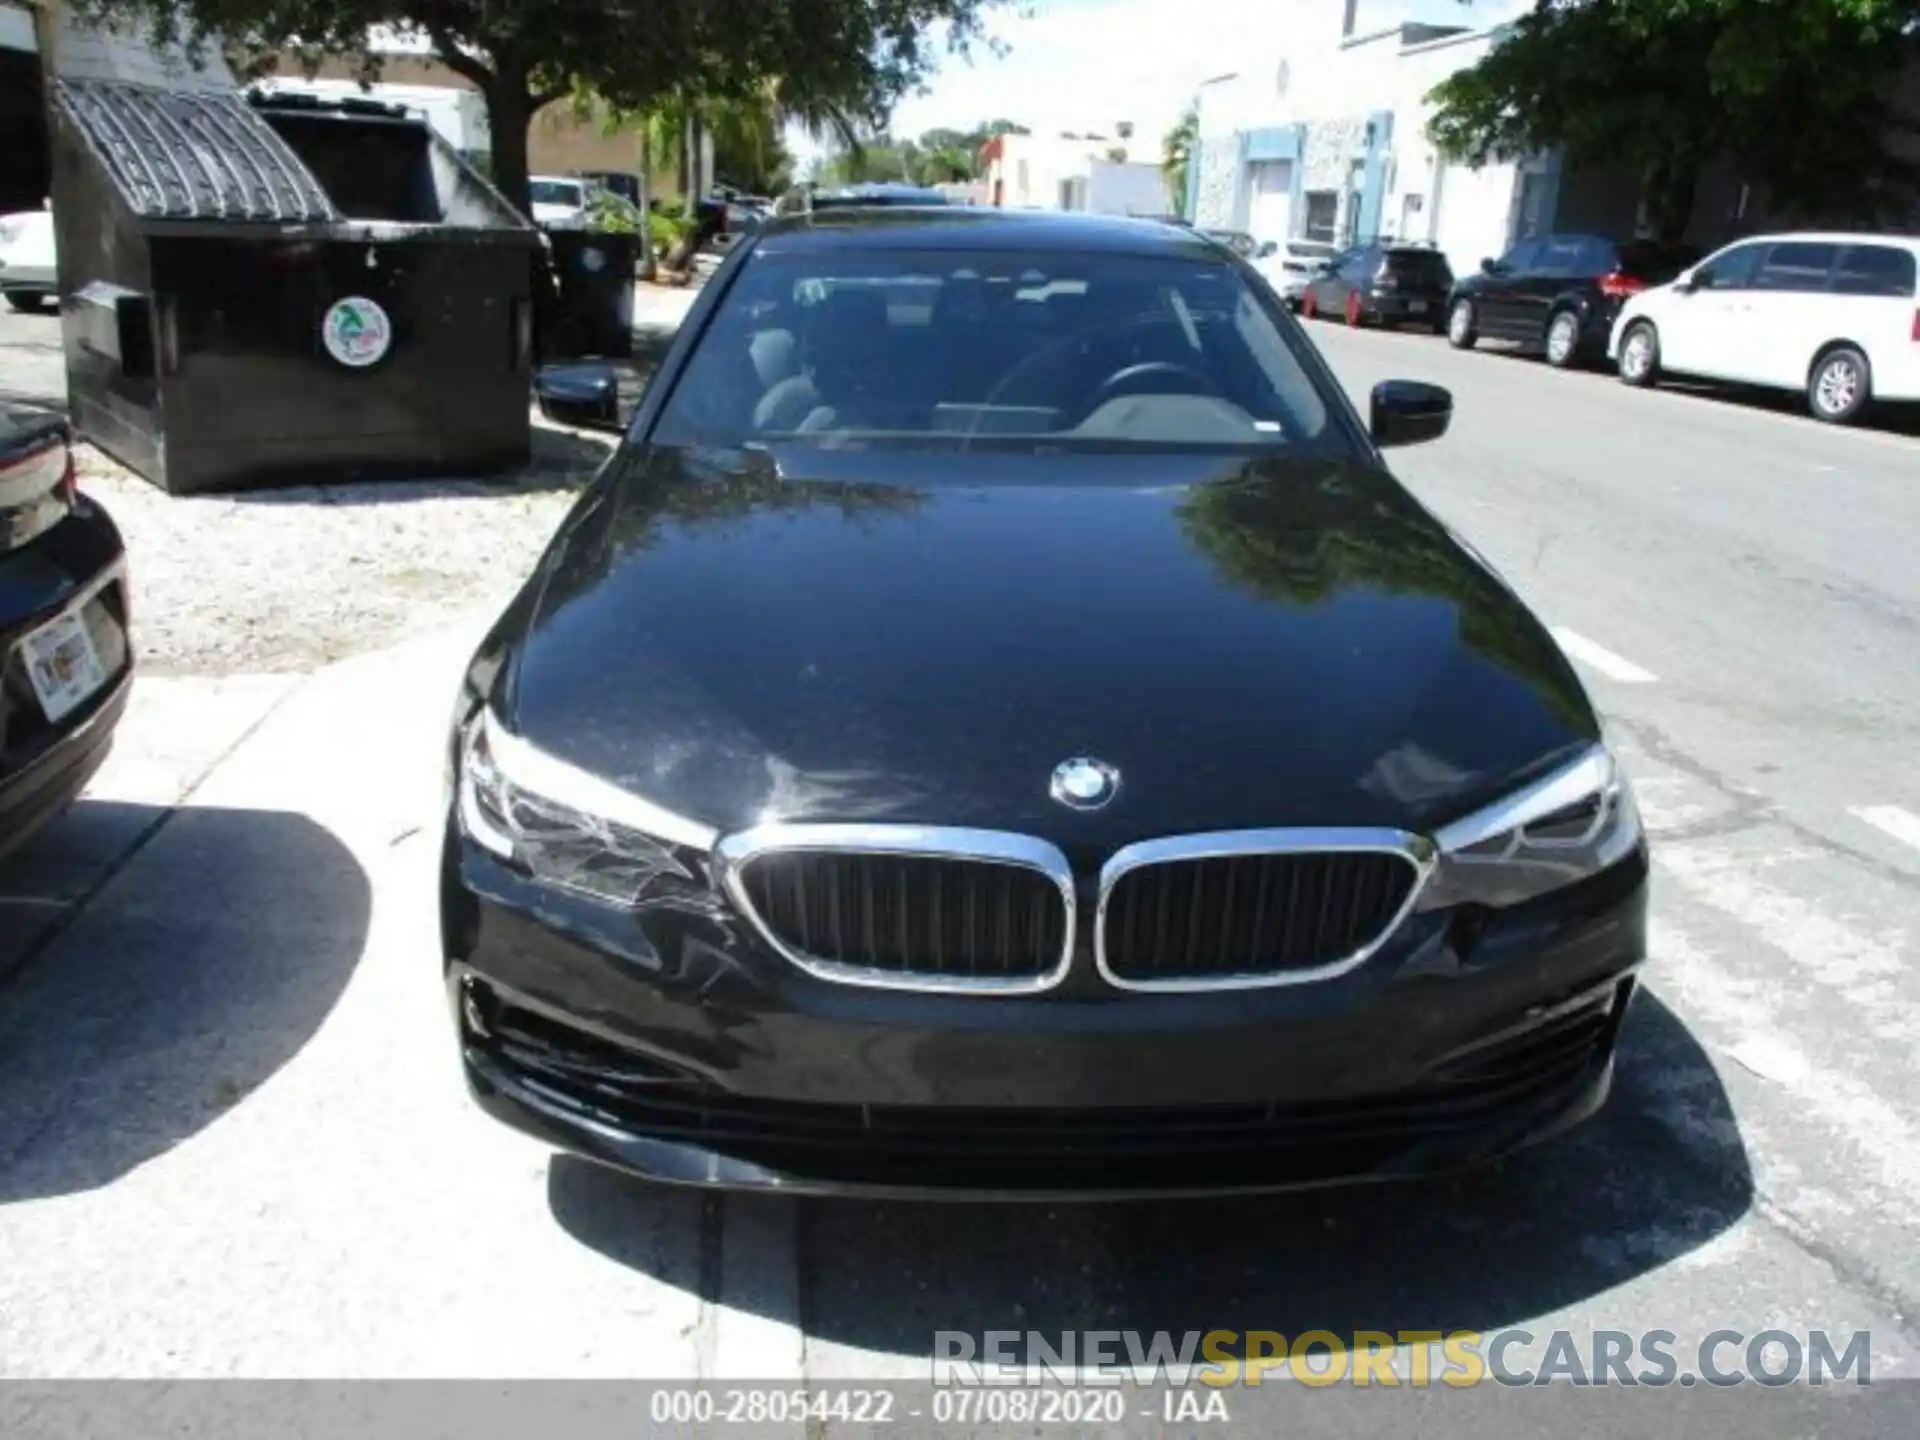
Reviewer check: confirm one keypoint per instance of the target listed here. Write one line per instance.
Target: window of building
(1323, 209)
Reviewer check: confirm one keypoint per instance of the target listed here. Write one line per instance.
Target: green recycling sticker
(357, 332)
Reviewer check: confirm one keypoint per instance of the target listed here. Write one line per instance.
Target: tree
(939, 156)
(1665, 86)
(844, 58)
(1176, 154)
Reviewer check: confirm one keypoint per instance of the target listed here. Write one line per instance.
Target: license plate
(62, 665)
(1416, 307)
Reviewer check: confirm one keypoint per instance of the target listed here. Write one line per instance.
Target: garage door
(1270, 204)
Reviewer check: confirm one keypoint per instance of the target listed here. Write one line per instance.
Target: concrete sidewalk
(233, 1137)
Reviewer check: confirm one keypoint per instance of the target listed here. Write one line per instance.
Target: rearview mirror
(585, 394)
(1408, 412)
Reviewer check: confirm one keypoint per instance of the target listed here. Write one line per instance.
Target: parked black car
(996, 726)
(65, 664)
(1382, 284)
(1559, 293)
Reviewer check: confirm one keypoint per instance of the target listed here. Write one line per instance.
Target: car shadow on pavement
(1885, 418)
(169, 984)
(1890, 419)
(1658, 1173)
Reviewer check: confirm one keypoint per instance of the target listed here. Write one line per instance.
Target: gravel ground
(289, 580)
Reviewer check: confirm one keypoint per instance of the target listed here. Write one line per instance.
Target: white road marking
(1739, 1008)
(1902, 825)
(1614, 667)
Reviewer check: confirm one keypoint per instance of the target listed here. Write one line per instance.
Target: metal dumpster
(588, 308)
(284, 290)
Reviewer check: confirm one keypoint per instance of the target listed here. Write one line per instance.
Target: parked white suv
(27, 263)
(1835, 316)
(559, 201)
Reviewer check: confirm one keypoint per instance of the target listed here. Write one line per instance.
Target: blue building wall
(1373, 181)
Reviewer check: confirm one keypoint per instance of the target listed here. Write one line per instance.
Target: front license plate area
(62, 665)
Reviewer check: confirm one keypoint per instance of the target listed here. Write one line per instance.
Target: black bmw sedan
(996, 727)
(65, 664)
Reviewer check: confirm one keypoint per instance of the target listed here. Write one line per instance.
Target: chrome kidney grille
(909, 908)
(925, 908)
(1252, 908)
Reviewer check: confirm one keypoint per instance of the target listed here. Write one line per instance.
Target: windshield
(1051, 350)
(556, 192)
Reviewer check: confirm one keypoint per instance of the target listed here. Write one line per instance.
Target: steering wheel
(1134, 378)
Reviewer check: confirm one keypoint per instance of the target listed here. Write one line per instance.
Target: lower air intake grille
(1225, 918)
(903, 917)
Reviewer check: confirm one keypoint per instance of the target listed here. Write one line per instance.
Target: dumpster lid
(179, 156)
(346, 106)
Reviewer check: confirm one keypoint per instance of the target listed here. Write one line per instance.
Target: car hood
(839, 637)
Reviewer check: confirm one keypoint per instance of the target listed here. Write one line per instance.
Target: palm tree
(1176, 154)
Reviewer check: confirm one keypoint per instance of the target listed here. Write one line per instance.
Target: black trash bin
(285, 290)
(589, 308)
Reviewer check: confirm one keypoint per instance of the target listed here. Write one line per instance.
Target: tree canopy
(1176, 154)
(1796, 92)
(836, 60)
(938, 156)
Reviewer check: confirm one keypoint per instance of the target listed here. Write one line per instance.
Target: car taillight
(1916, 327)
(1616, 286)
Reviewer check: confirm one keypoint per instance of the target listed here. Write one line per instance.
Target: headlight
(571, 829)
(1574, 823)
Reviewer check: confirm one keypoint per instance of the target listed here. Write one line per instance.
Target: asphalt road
(232, 1141)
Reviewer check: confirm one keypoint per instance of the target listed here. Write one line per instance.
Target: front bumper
(27, 279)
(1406, 309)
(678, 1047)
(77, 565)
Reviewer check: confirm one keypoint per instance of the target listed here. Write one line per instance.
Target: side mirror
(1408, 412)
(586, 395)
(1688, 281)
(1266, 248)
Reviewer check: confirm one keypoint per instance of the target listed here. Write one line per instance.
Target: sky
(1085, 65)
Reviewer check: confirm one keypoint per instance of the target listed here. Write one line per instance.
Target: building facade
(1070, 172)
(559, 141)
(1326, 138)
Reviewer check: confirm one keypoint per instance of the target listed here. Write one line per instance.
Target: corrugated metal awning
(180, 156)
